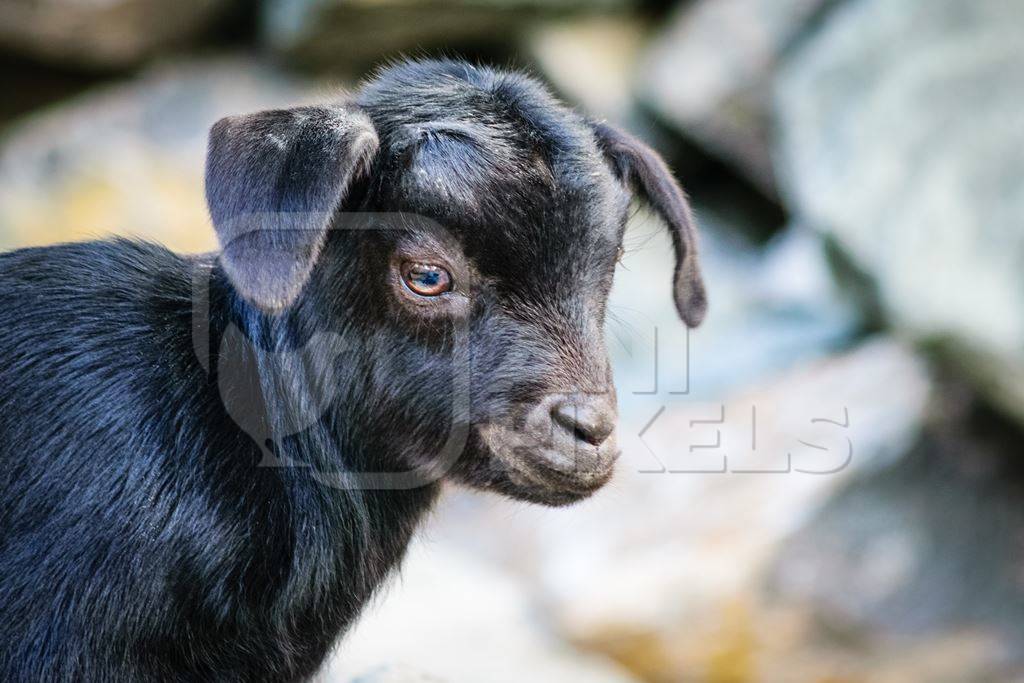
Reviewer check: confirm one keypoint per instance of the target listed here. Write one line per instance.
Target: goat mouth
(545, 487)
(535, 468)
(537, 472)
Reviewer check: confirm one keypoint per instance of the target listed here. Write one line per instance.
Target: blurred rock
(927, 551)
(590, 62)
(663, 570)
(710, 74)
(106, 34)
(351, 34)
(901, 136)
(453, 619)
(773, 306)
(31, 86)
(384, 674)
(128, 159)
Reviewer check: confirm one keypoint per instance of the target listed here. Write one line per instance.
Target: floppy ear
(274, 180)
(642, 168)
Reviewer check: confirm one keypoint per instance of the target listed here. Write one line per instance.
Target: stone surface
(901, 136)
(105, 34)
(710, 73)
(663, 570)
(128, 159)
(453, 619)
(340, 34)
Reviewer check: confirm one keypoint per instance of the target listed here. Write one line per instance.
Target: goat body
(209, 464)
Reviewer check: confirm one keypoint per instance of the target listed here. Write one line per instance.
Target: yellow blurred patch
(155, 202)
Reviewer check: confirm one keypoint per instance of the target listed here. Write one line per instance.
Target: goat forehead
(496, 159)
(483, 122)
(557, 235)
(553, 258)
(512, 210)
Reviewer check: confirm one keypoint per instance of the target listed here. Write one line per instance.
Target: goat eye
(426, 279)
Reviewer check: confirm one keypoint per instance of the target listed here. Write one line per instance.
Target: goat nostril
(582, 435)
(586, 423)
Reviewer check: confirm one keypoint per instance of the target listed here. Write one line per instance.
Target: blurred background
(823, 483)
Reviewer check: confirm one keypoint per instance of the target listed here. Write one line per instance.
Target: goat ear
(645, 171)
(274, 180)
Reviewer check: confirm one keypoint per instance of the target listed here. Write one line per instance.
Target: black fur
(209, 464)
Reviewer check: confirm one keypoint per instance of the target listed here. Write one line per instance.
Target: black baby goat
(208, 464)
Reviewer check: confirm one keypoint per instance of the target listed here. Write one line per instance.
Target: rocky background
(824, 483)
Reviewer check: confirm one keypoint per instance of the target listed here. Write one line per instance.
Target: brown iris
(426, 279)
